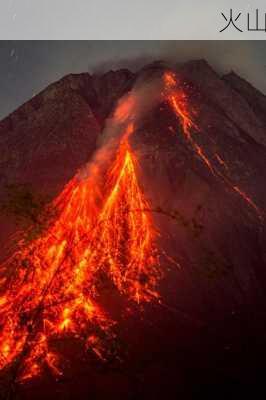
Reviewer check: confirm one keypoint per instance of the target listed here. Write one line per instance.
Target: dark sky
(27, 67)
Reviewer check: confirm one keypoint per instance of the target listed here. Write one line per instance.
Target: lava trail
(51, 287)
(178, 101)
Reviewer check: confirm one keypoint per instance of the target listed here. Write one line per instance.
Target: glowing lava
(103, 232)
(180, 105)
(52, 285)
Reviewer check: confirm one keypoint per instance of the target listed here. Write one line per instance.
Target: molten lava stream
(55, 280)
(179, 104)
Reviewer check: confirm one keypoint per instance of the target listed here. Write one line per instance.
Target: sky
(27, 67)
(125, 19)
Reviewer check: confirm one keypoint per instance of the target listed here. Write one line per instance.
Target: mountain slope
(202, 166)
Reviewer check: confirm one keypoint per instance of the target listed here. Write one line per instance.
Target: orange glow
(125, 109)
(56, 280)
(179, 103)
(103, 232)
(130, 254)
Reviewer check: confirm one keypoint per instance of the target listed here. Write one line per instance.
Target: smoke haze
(27, 67)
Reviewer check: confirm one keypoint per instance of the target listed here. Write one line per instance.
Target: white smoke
(129, 110)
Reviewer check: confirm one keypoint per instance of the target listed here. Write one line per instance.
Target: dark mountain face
(210, 214)
(46, 140)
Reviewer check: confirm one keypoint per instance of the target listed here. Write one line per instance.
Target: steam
(129, 110)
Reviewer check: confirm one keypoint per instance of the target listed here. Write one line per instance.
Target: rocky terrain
(209, 336)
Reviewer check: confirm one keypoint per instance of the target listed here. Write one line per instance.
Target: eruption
(103, 232)
(52, 287)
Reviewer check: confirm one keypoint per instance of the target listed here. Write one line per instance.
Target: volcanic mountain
(166, 167)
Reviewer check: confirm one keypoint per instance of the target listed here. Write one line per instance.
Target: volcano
(133, 236)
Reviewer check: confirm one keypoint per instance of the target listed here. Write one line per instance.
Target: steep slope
(201, 164)
(212, 181)
(47, 139)
(254, 97)
(58, 127)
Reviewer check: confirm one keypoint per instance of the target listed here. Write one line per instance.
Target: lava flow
(178, 101)
(53, 286)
